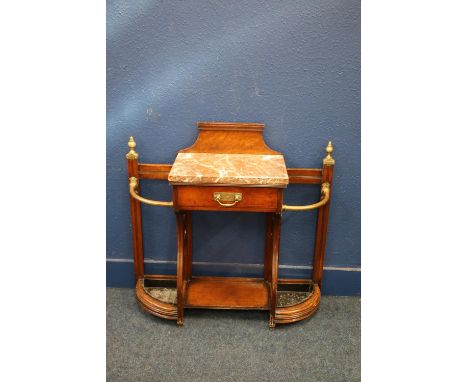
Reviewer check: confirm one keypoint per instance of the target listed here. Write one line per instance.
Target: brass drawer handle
(227, 199)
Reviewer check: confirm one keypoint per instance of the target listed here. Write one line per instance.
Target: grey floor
(217, 345)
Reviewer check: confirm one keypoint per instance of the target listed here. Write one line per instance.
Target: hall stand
(229, 168)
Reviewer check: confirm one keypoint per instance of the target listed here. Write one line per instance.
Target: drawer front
(208, 198)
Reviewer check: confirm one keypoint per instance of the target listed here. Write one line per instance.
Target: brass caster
(180, 322)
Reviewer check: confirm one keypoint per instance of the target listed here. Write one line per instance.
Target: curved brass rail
(326, 197)
(133, 183)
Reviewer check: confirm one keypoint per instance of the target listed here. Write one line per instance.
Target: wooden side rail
(305, 175)
(153, 171)
(296, 175)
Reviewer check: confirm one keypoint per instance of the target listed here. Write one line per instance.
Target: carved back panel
(230, 138)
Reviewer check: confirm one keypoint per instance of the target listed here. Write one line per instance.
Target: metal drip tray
(162, 290)
(292, 294)
(168, 295)
(288, 298)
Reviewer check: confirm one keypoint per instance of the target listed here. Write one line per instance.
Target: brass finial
(328, 160)
(132, 154)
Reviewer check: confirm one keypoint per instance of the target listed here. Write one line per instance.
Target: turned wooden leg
(268, 247)
(137, 237)
(188, 246)
(274, 267)
(180, 268)
(321, 231)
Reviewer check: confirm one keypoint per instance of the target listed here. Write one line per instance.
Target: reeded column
(135, 212)
(322, 219)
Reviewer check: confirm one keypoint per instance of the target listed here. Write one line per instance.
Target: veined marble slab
(227, 169)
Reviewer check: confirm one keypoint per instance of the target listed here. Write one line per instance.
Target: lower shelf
(296, 300)
(227, 293)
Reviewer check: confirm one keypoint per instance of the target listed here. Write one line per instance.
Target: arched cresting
(287, 300)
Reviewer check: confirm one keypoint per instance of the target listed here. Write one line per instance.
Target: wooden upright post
(322, 220)
(274, 267)
(181, 283)
(135, 212)
(268, 247)
(188, 245)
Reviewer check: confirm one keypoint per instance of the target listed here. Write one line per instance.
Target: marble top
(229, 169)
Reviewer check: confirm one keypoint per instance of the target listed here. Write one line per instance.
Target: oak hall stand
(229, 168)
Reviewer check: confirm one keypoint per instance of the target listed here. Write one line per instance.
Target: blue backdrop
(293, 65)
